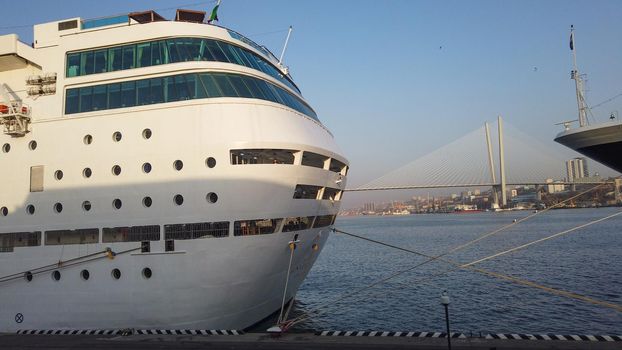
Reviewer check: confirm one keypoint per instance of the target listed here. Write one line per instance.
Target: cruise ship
(601, 142)
(156, 174)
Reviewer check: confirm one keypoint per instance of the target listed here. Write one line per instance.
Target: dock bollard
(445, 302)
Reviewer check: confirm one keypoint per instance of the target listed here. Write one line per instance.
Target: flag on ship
(571, 38)
(214, 15)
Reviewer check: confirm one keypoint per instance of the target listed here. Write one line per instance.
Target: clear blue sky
(394, 80)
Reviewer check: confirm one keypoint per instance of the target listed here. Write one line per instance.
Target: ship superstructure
(154, 173)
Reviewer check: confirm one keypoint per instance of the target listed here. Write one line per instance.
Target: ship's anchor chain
(281, 325)
(285, 324)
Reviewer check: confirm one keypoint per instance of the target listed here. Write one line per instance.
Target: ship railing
(15, 118)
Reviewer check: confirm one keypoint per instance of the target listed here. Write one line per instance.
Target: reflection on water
(586, 262)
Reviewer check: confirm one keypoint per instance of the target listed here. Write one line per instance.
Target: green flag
(214, 15)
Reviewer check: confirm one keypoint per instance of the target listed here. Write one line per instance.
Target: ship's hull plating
(602, 143)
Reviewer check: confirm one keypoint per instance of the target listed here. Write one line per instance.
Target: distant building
(554, 187)
(369, 207)
(576, 168)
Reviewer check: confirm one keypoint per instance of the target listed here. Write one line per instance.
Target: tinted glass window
(87, 64)
(129, 57)
(239, 86)
(143, 52)
(157, 52)
(101, 63)
(157, 91)
(72, 102)
(142, 92)
(86, 99)
(225, 85)
(128, 94)
(114, 95)
(210, 86)
(73, 65)
(99, 98)
(115, 59)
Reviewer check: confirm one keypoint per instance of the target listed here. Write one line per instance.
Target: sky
(397, 79)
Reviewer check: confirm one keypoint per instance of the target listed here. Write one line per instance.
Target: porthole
(87, 172)
(6, 148)
(147, 168)
(58, 207)
(147, 273)
(117, 136)
(4, 211)
(178, 165)
(212, 197)
(116, 274)
(86, 205)
(56, 275)
(32, 145)
(147, 134)
(116, 170)
(178, 199)
(30, 209)
(85, 274)
(28, 276)
(58, 175)
(147, 202)
(210, 162)
(117, 203)
(88, 139)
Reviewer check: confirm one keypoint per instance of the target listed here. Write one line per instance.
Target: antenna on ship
(289, 32)
(574, 74)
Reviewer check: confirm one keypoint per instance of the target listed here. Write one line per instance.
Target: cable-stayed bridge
(491, 156)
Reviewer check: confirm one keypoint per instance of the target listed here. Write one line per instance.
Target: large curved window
(156, 52)
(178, 88)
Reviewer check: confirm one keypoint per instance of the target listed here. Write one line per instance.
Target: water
(587, 262)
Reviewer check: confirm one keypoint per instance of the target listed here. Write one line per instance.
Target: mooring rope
(469, 266)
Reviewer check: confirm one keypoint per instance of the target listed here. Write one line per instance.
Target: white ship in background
(153, 173)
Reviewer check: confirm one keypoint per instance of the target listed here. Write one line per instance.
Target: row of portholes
(146, 167)
(178, 199)
(32, 145)
(117, 136)
(85, 274)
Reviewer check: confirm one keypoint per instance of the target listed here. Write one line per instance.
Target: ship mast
(574, 74)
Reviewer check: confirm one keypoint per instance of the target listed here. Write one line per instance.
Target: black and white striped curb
(388, 334)
(504, 336)
(129, 331)
(572, 337)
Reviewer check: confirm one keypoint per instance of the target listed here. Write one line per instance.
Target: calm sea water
(587, 262)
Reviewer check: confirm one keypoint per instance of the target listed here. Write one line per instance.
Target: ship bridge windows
(306, 191)
(157, 52)
(262, 156)
(324, 220)
(332, 194)
(197, 230)
(256, 227)
(298, 223)
(80, 236)
(19, 239)
(179, 88)
(131, 234)
(338, 167)
(314, 160)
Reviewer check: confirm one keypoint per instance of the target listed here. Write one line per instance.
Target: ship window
(117, 136)
(58, 175)
(178, 165)
(197, 230)
(129, 56)
(337, 166)
(182, 88)
(4, 211)
(6, 148)
(157, 50)
(178, 199)
(131, 234)
(99, 97)
(212, 197)
(147, 134)
(101, 59)
(256, 227)
(86, 99)
(324, 220)
(262, 156)
(147, 273)
(210, 162)
(32, 145)
(87, 172)
(56, 275)
(115, 59)
(19, 239)
(306, 191)
(239, 86)
(147, 201)
(117, 204)
(225, 85)
(210, 86)
(147, 168)
(80, 236)
(298, 223)
(73, 65)
(116, 274)
(88, 139)
(144, 55)
(116, 170)
(169, 245)
(85, 274)
(332, 194)
(314, 160)
(86, 205)
(30, 209)
(58, 208)
(157, 91)
(114, 96)
(87, 62)
(128, 94)
(143, 92)
(28, 276)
